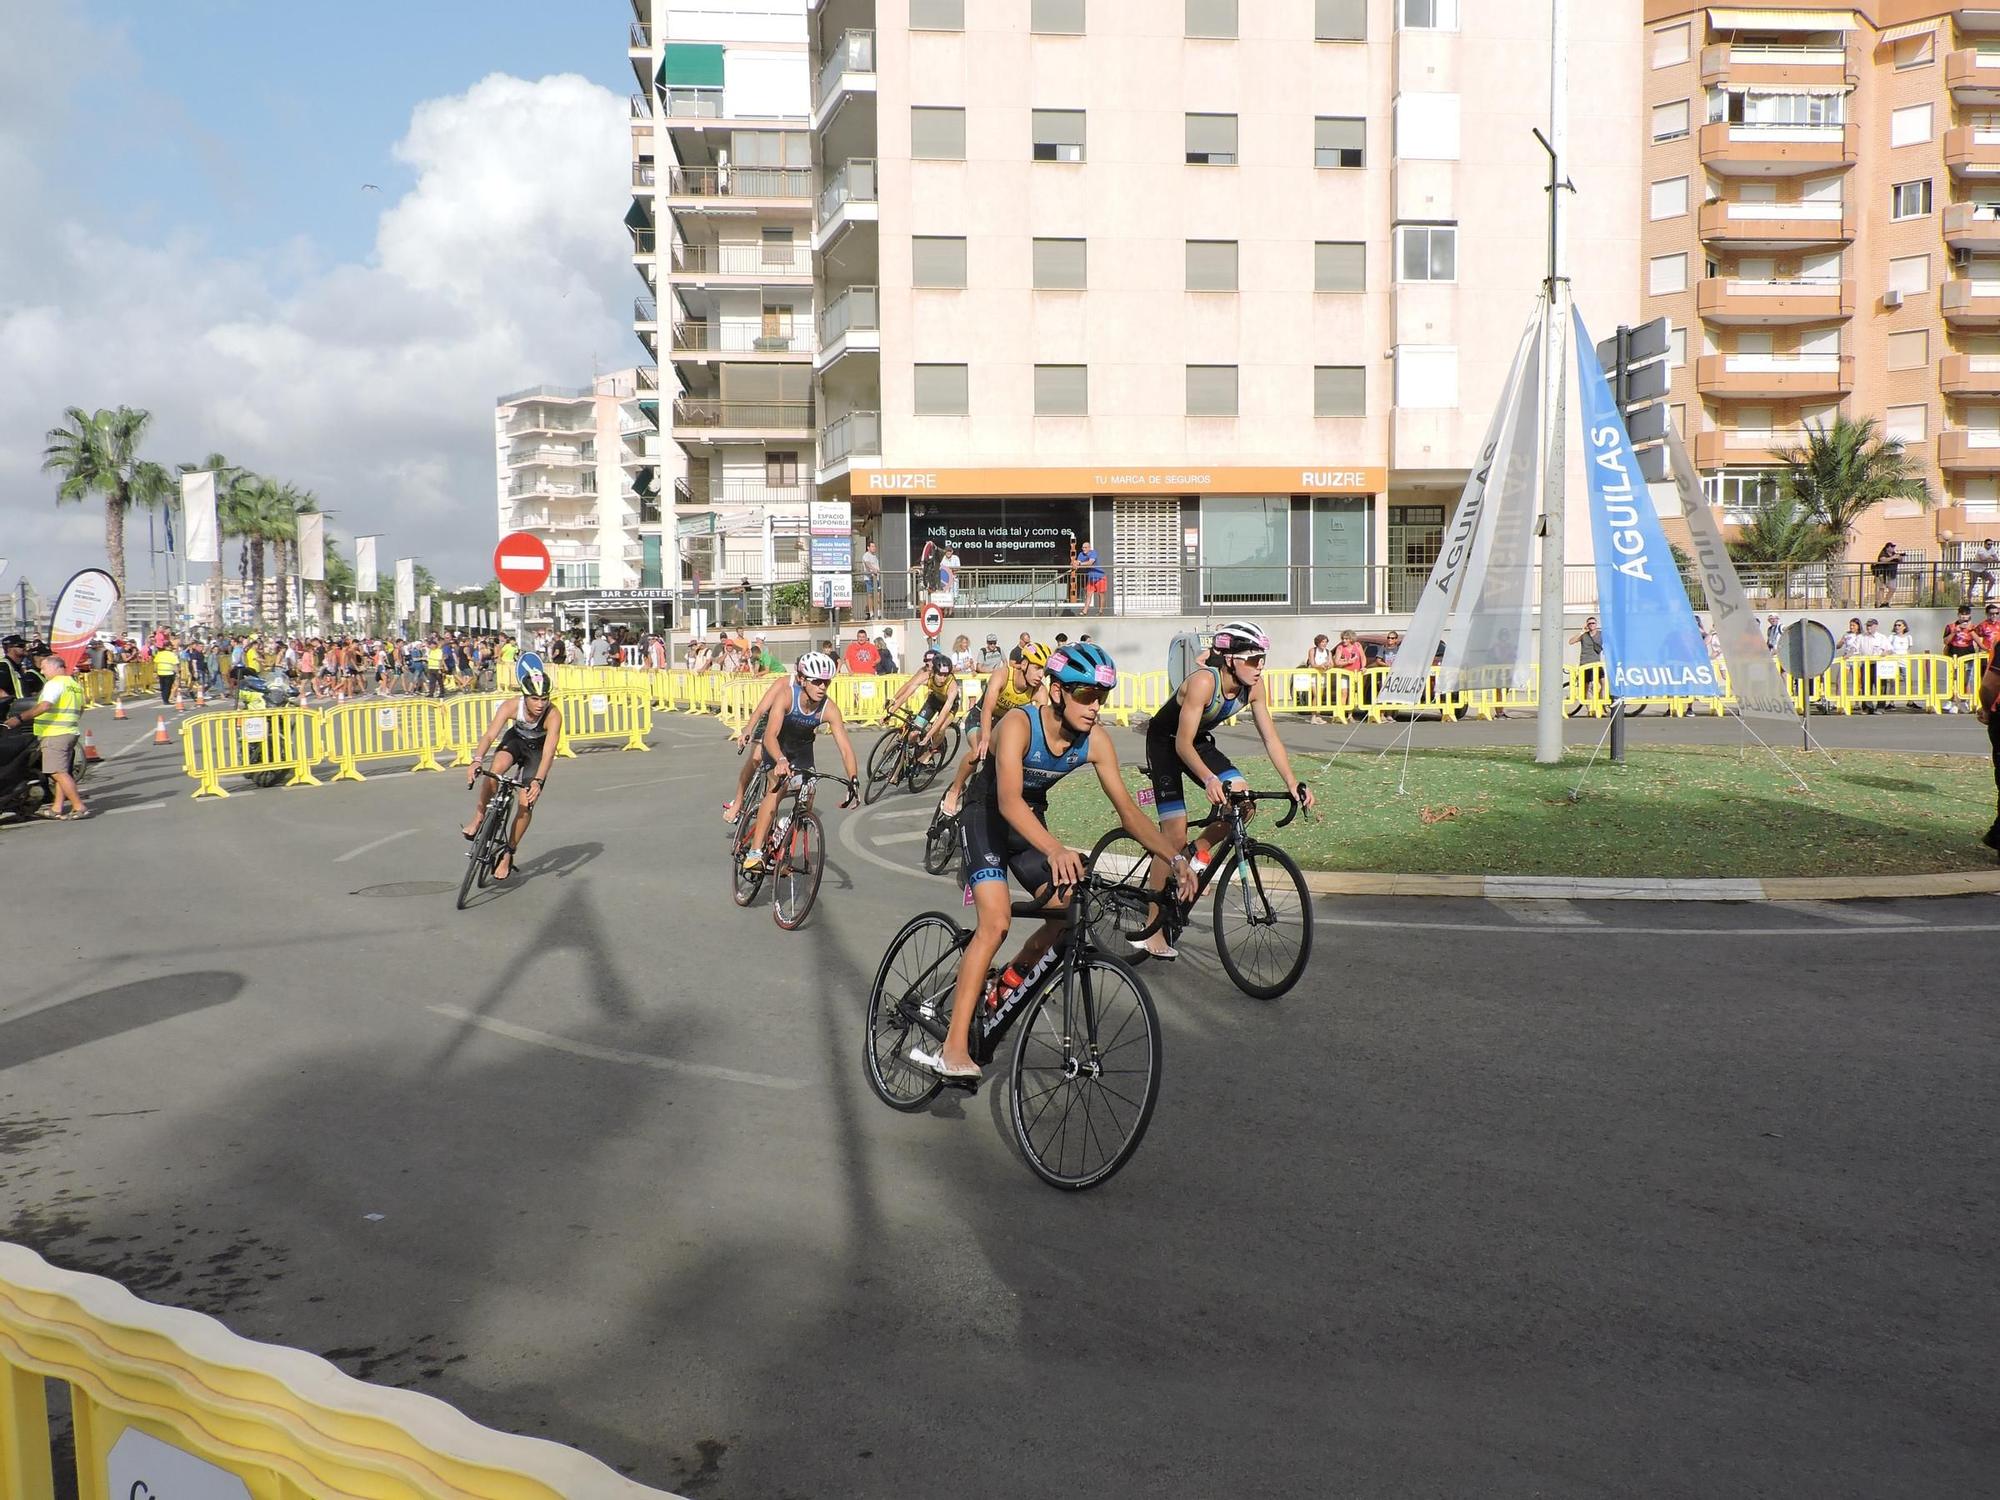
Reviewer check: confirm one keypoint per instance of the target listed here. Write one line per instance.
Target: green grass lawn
(1679, 811)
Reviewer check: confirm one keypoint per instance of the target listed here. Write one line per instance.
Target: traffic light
(1635, 363)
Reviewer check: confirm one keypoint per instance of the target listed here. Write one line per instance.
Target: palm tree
(262, 516)
(1782, 530)
(338, 587)
(293, 502)
(229, 478)
(98, 454)
(1841, 472)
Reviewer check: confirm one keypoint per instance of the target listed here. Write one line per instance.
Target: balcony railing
(645, 310)
(550, 487)
(642, 35)
(702, 412)
(853, 183)
(550, 454)
(545, 424)
(694, 104)
(854, 52)
(859, 432)
(741, 338)
(649, 380)
(1969, 375)
(642, 107)
(857, 307)
(750, 492)
(643, 174)
(788, 259)
(740, 182)
(645, 241)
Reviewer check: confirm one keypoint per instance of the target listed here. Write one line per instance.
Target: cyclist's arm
(773, 721)
(988, 701)
(551, 739)
(1104, 761)
(838, 726)
(1007, 758)
(909, 686)
(1260, 714)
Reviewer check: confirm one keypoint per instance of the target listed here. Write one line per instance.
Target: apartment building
(721, 222)
(580, 467)
(1823, 235)
(1227, 289)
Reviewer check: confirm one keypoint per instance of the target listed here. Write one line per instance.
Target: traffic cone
(90, 755)
(160, 731)
(200, 696)
(118, 709)
(180, 704)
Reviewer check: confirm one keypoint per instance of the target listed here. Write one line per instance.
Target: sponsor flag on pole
(366, 580)
(406, 587)
(312, 548)
(198, 507)
(84, 604)
(1653, 647)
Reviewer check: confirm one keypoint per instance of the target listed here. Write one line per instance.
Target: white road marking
(615, 1054)
(903, 838)
(387, 838)
(1849, 915)
(626, 786)
(905, 812)
(1920, 929)
(142, 807)
(1557, 913)
(850, 840)
(145, 738)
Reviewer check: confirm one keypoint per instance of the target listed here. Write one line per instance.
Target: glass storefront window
(1340, 527)
(1246, 549)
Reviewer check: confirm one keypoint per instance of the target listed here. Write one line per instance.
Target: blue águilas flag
(1653, 647)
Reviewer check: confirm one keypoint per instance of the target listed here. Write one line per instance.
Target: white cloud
(505, 265)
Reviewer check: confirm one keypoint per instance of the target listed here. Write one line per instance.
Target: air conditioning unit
(1961, 259)
(1892, 299)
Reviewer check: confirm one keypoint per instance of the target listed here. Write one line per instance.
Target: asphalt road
(1505, 1199)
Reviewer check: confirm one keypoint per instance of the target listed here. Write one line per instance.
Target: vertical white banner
(198, 516)
(366, 580)
(312, 547)
(406, 587)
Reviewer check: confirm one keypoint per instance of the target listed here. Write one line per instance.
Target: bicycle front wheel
(926, 768)
(1263, 921)
(940, 843)
(795, 877)
(1119, 915)
(479, 859)
(912, 988)
(1086, 1075)
(885, 764)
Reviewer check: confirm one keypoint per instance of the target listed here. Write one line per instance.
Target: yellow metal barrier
(463, 721)
(385, 729)
(166, 1403)
(1375, 710)
(590, 717)
(865, 700)
(1929, 681)
(243, 744)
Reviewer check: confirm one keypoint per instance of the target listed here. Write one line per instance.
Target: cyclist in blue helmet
(525, 731)
(1003, 829)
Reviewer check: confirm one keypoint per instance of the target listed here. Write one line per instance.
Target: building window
(1910, 126)
(1062, 17)
(1670, 45)
(781, 469)
(1907, 424)
(1058, 134)
(937, 15)
(1211, 390)
(1427, 15)
(1426, 127)
(1339, 141)
(1910, 275)
(1340, 266)
(1211, 265)
(937, 133)
(1062, 390)
(941, 390)
(1060, 265)
(1211, 140)
(1670, 198)
(1426, 376)
(1340, 20)
(778, 250)
(576, 575)
(1670, 121)
(1246, 548)
(1739, 493)
(1666, 274)
(1341, 526)
(1910, 200)
(937, 260)
(1427, 252)
(1215, 18)
(1916, 51)
(1910, 350)
(1677, 348)
(1340, 391)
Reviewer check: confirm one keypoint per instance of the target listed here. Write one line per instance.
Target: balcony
(1760, 302)
(707, 420)
(644, 174)
(649, 380)
(1764, 447)
(548, 456)
(849, 71)
(1776, 226)
(744, 492)
(1780, 376)
(1973, 151)
(847, 199)
(1969, 375)
(1973, 76)
(1749, 64)
(1970, 304)
(739, 341)
(1777, 150)
(780, 185)
(552, 488)
(1972, 226)
(858, 434)
(645, 312)
(850, 324)
(642, 37)
(537, 422)
(1964, 450)
(692, 103)
(642, 107)
(751, 264)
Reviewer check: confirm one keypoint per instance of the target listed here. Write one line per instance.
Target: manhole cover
(407, 888)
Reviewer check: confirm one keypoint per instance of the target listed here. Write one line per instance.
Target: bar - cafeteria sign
(1178, 481)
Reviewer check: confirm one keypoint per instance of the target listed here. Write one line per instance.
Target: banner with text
(406, 587)
(312, 548)
(366, 580)
(198, 509)
(83, 606)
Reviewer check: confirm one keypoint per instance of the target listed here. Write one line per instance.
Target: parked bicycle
(496, 824)
(1263, 913)
(904, 755)
(795, 852)
(1085, 1071)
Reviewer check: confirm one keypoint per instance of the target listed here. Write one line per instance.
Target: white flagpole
(1549, 698)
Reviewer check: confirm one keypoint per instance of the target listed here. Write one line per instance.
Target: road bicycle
(496, 826)
(902, 755)
(1263, 914)
(795, 851)
(941, 839)
(1085, 1071)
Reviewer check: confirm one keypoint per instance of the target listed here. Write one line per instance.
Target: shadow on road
(107, 1013)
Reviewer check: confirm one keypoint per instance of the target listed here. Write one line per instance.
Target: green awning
(691, 65)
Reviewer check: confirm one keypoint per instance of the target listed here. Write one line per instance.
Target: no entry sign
(521, 562)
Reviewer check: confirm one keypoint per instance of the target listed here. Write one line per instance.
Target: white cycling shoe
(934, 1060)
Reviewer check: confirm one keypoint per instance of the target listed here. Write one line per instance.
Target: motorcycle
(255, 694)
(23, 787)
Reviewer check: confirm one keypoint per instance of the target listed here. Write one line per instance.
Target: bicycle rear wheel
(795, 877)
(940, 843)
(924, 770)
(1263, 921)
(885, 764)
(1120, 915)
(1086, 1075)
(913, 985)
(743, 885)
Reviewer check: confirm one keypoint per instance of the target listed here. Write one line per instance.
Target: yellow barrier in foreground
(243, 744)
(167, 1403)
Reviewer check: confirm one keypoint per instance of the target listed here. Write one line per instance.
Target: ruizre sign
(1133, 481)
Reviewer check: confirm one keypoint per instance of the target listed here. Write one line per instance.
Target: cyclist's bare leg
(504, 865)
(743, 774)
(1175, 827)
(991, 900)
(484, 790)
(766, 810)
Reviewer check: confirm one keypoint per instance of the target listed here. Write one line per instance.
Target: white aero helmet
(816, 666)
(1238, 636)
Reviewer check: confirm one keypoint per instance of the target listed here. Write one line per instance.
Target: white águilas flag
(406, 587)
(198, 511)
(365, 579)
(312, 548)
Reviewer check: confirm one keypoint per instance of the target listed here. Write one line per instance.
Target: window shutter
(937, 260)
(1340, 391)
(1062, 390)
(941, 390)
(1340, 266)
(1211, 18)
(1340, 20)
(1211, 139)
(937, 134)
(1211, 390)
(1211, 265)
(937, 15)
(1060, 265)
(1063, 17)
